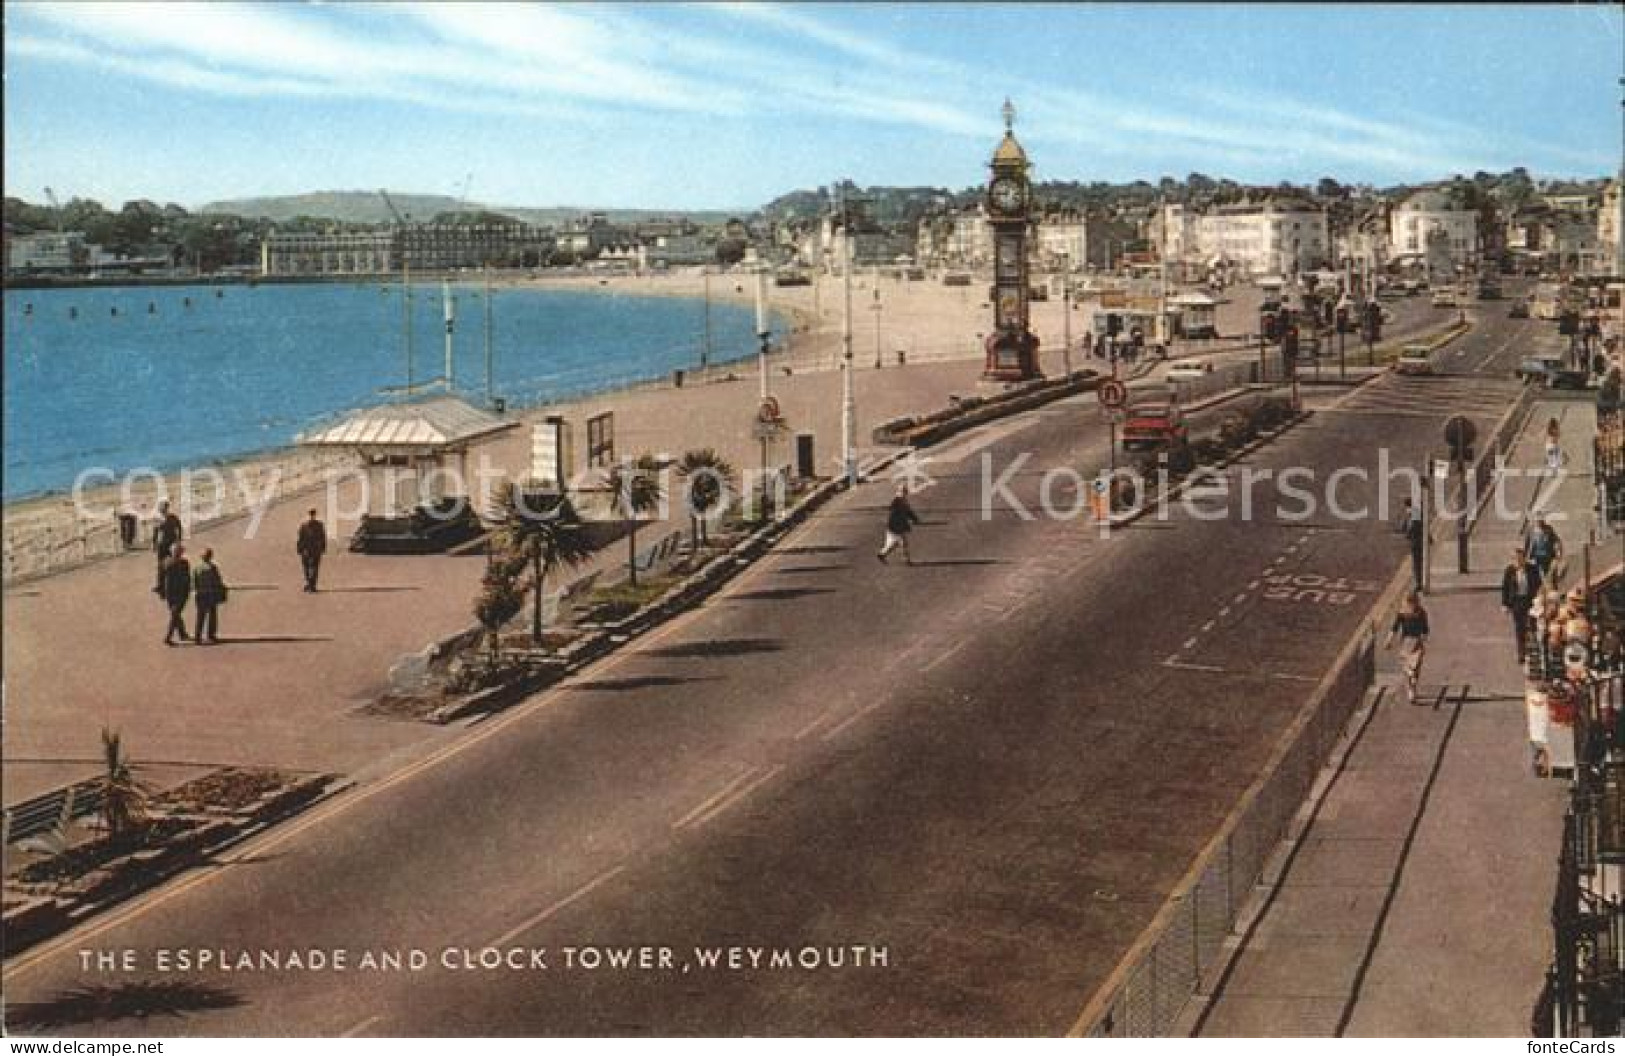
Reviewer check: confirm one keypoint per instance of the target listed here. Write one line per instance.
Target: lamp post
(1066, 314)
(849, 410)
(875, 307)
(763, 416)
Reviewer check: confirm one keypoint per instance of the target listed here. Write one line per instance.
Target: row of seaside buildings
(1271, 234)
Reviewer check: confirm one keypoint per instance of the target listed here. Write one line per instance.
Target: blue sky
(726, 105)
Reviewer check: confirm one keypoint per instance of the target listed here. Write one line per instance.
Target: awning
(439, 423)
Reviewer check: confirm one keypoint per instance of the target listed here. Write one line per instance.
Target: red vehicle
(1153, 425)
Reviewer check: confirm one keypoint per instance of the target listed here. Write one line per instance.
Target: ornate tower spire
(1009, 112)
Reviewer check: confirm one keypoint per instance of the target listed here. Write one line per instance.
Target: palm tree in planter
(124, 798)
(636, 489)
(707, 480)
(501, 599)
(539, 529)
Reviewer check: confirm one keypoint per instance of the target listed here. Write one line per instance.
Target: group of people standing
(179, 583)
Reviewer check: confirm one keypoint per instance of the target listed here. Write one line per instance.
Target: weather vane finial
(1009, 112)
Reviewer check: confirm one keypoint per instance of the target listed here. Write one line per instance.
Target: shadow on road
(812, 568)
(363, 590)
(721, 647)
(266, 639)
(620, 685)
(956, 562)
(91, 1004)
(781, 593)
(812, 550)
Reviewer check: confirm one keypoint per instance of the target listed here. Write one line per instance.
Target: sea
(166, 377)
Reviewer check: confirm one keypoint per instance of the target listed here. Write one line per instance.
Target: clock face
(1007, 195)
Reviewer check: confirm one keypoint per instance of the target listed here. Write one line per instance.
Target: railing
(52, 812)
(1180, 952)
(54, 539)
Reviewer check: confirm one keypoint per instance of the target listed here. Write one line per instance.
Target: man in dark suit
(312, 545)
(177, 588)
(210, 590)
(166, 536)
(1520, 583)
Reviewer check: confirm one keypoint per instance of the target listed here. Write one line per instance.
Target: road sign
(770, 430)
(1459, 433)
(1113, 393)
(769, 410)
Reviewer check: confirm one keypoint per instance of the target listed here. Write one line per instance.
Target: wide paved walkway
(1416, 902)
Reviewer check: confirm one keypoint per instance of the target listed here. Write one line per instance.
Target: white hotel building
(1277, 236)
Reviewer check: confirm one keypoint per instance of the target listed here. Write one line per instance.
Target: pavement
(993, 766)
(1416, 899)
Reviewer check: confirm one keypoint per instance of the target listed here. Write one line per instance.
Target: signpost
(768, 427)
(1113, 395)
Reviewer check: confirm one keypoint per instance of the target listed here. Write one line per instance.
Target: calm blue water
(247, 368)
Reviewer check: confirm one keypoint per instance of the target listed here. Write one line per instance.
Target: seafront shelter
(414, 453)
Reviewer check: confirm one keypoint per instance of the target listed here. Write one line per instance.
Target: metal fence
(1182, 951)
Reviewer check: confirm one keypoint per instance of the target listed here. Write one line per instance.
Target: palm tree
(707, 478)
(637, 490)
(124, 798)
(501, 599)
(538, 528)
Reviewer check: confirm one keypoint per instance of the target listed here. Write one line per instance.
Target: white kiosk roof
(435, 423)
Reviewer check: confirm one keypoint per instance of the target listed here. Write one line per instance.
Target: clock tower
(1012, 348)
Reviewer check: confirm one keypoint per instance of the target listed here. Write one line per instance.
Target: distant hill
(367, 207)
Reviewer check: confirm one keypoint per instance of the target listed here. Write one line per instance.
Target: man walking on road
(1520, 582)
(166, 537)
(210, 589)
(176, 586)
(1415, 534)
(312, 545)
(900, 520)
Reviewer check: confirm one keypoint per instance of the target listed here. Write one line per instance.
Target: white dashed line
(942, 657)
(356, 1030)
(1208, 626)
(688, 818)
(1190, 643)
(580, 892)
(1192, 667)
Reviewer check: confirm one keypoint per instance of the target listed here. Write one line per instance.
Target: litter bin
(902, 358)
(677, 379)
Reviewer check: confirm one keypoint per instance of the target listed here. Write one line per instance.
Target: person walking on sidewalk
(1411, 629)
(1520, 583)
(1545, 550)
(311, 546)
(1554, 445)
(1411, 527)
(209, 587)
(166, 537)
(900, 520)
(177, 587)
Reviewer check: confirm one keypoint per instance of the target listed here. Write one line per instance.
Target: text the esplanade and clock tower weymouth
(1012, 348)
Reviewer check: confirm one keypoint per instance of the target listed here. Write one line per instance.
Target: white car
(1189, 371)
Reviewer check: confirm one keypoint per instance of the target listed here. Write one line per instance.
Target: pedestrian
(1554, 445)
(1545, 551)
(177, 587)
(127, 522)
(166, 537)
(311, 546)
(900, 520)
(209, 587)
(1415, 533)
(1520, 583)
(1411, 629)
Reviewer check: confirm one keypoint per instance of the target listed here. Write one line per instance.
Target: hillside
(367, 207)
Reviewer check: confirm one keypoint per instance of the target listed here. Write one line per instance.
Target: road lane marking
(944, 656)
(738, 795)
(814, 724)
(853, 718)
(1189, 644)
(1208, 626)
(580, 893)
(1254, 584)
(1170, 662)
(356, 1030)
(709, 803)
(1292, 678)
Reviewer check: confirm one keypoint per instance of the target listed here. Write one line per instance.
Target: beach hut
(414, 455)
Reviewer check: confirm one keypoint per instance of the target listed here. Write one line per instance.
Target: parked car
(1414, 359)
(1569, 379)
(1153, 425)
(1519, 310)
(1445, 298)
(1190, 370)
(1538, 368)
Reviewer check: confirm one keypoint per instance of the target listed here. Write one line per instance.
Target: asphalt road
(977, 777)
